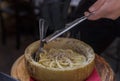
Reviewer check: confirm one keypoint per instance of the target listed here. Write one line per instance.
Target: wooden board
(19, 70)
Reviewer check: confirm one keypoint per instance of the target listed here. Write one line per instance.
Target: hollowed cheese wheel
(56, 69)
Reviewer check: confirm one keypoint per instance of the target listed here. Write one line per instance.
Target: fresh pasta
(59, 58)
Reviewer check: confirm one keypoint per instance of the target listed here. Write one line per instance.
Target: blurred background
(19, 28)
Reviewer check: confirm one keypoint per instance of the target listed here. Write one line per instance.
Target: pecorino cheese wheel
(64, 59)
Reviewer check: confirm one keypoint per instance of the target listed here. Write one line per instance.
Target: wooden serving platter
(19, 70)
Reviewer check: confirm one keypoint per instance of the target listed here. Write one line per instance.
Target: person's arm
(105, 9)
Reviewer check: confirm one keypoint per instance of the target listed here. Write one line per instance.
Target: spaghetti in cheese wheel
(61, 59)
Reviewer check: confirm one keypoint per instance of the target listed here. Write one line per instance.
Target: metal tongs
(57, 33)
(67, 27)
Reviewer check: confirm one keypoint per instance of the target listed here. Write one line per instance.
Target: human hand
(104, 9)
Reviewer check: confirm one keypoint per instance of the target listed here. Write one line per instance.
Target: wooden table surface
(19, 70)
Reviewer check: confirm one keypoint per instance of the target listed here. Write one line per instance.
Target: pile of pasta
(61, 59)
